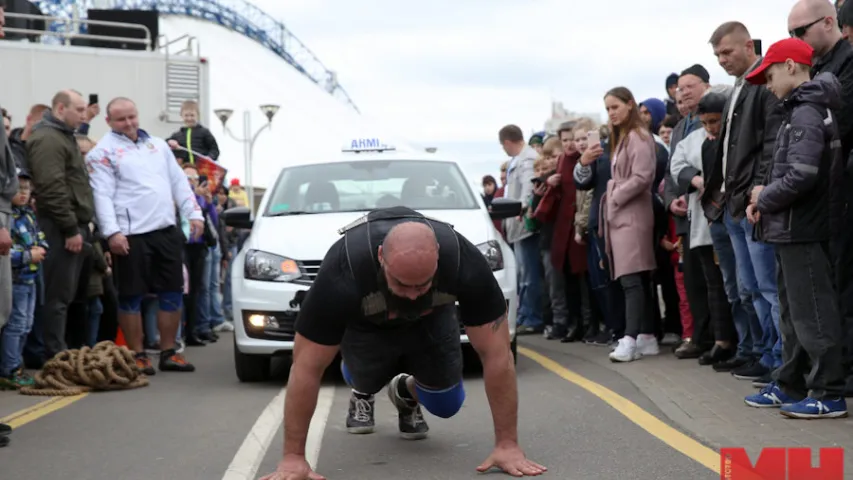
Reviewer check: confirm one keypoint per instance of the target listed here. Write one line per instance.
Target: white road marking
(318, 425)
(248, 458)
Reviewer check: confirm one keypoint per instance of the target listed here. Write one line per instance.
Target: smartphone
(593, 137)
(757, 45)
(93, 98)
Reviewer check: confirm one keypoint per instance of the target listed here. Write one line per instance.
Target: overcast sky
(456, 71)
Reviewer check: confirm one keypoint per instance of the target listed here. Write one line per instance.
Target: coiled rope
(107, 366)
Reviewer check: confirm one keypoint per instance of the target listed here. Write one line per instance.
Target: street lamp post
(248, 140)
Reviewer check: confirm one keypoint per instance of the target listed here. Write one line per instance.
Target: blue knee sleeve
(441, 403)
(170, 301)
(346, 374)
(130, 304)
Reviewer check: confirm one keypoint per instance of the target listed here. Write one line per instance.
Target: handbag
(546, 211)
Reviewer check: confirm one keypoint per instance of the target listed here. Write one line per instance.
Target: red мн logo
(782, 464)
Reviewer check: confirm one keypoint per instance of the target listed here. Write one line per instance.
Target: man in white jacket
(137, 183)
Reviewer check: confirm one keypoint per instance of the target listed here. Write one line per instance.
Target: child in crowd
(544, 167)
(100, 269)
(193, 136)
(797, 211)
(29, 249)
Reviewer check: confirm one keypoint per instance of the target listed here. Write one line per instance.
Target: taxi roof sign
(367, 145)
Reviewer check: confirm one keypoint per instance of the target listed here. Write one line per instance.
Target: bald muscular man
(385, 297)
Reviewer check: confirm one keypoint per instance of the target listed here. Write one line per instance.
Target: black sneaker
(762, 382)
(172, 361)
(5, 430)
(732, 364)
(752, 371)
(716, 355)
(4, 441)
(360, 416)
(411, 420)
(602, 339)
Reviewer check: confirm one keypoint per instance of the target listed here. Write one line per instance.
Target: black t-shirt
(333, 303)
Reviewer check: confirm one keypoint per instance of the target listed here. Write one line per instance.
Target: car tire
(251, 368)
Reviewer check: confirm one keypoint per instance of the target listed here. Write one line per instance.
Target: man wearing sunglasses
(385, 297)
(816, 22)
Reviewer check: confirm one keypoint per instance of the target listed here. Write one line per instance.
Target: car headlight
(268, 267)
(494, 256)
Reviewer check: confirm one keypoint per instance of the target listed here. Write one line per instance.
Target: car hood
(309, 237)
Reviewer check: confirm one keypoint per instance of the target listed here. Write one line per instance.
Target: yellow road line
(34, 412)
(705, 456)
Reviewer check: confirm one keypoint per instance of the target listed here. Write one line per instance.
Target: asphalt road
(198, 426)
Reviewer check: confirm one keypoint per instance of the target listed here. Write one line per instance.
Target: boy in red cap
(797, 211)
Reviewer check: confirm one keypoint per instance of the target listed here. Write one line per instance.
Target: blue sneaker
(770, 396)
(810, 408)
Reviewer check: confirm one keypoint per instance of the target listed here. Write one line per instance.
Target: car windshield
(365, 185)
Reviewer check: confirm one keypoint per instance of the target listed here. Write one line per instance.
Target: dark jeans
(720, 313)
(697, 293)
(607, 294)
(809, 321)
(638, 318)
(63, 273)
(196, 257)
(843, 255)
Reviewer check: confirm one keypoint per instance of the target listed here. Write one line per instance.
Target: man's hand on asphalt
(74, 244)
(196, 228)
(512, 461)
(5, 241)
(118, 244)
(294, 467)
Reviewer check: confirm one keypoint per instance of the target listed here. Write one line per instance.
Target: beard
(405, 308)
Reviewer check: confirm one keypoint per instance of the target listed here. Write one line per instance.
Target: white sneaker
(647, 345)
(625, 351)
(225, 326)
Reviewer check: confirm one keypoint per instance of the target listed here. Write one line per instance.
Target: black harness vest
(361, 241)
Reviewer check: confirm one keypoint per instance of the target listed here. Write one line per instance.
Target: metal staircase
(236, 15)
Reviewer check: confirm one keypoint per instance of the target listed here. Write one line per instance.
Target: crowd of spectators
(117, 233)
(715, 221)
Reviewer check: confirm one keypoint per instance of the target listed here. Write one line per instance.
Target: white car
(298, 221)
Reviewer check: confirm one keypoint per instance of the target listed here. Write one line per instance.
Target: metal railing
(191, 47)
(237, 15)
(72, 27)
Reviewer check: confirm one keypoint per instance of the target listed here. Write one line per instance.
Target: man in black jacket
(833, 54)
(750, 122)
(692, 84)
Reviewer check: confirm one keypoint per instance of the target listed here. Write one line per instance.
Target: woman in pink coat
(628, 229)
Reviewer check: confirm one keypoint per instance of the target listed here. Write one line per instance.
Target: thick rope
(73, 372)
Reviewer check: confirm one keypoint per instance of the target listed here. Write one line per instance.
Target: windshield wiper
(290, 212)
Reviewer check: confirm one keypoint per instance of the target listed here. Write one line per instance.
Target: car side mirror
(238, 217)
(504, 208)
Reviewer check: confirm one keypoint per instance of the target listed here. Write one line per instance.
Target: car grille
(310, 267)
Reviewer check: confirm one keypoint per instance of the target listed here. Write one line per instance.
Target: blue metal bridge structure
(236, 15)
